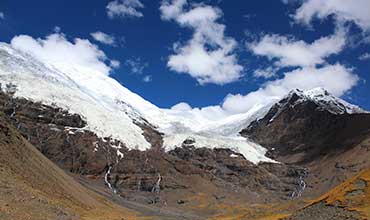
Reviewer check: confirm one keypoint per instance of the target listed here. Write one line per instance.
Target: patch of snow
(118, 147)
(251, 151)
(55, 129)
(96, 146)
(232, 125)
(120, 154)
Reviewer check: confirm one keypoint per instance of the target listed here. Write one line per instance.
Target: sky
(203, 55)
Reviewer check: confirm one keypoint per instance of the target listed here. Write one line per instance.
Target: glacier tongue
(109, 108)
(251, 151)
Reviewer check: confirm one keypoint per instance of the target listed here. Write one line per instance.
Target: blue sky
(262, 42)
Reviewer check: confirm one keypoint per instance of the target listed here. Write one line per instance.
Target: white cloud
(2, 15)
(136, 65)
(209, 55)
(124, 8)
(182, 106)
(337, 79)
(104, 38)
(115, 64)
(291, 52)
(354, 11)
(266, 73)
(171, 10)
(57, 50)
(147, 78)
(365, 56)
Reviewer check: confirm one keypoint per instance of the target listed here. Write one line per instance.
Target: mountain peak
(324, 99)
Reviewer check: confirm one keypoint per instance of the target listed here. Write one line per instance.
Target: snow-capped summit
(325, 100)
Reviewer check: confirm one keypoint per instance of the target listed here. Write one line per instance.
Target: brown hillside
(32, 187)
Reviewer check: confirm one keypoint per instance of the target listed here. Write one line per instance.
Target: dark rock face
(61, 137)
(332, 147)
(278, 180)
(304, 131)
(140, 171)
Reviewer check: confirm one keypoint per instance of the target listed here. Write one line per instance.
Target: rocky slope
(152, 177)
(349, 200)
(309, 126)
(32, 187)
(317, 131)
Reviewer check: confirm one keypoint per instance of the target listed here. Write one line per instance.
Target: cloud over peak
(302, 78)
(209, 55)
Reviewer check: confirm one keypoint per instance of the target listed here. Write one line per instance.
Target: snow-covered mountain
(322, 98)
(111, 109)
(328, 102)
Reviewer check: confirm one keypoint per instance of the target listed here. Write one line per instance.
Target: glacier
(110, 109)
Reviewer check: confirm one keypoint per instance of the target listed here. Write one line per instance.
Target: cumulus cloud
(292, 52)
(57, 50)
(343, 11)
(104, 38)
(365, 56)
(182, 106)
(124, 8)
(171, 10)
(337, 79)
(209, 55)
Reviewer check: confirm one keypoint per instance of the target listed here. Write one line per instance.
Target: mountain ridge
(108, 107)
